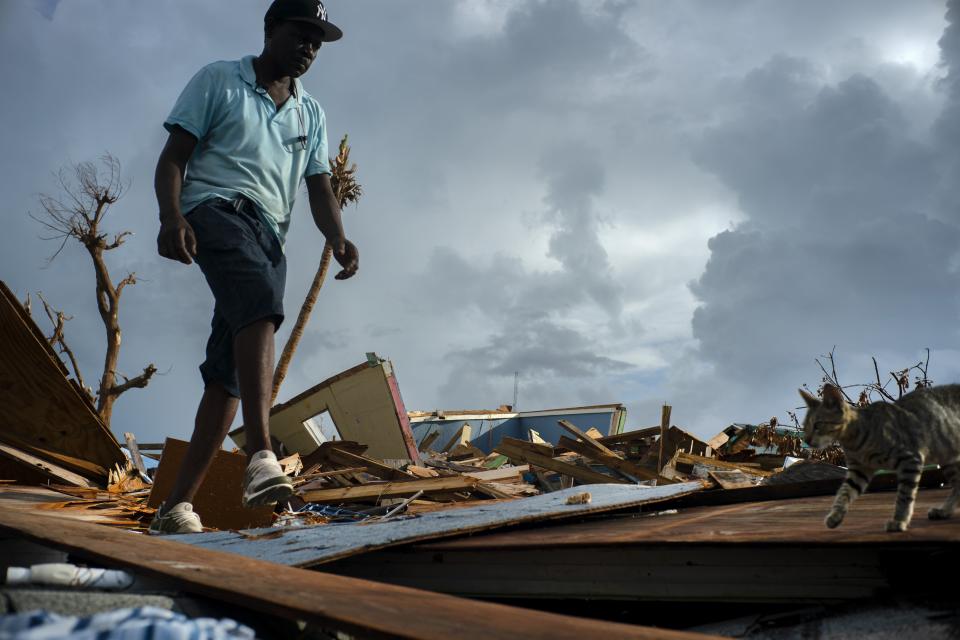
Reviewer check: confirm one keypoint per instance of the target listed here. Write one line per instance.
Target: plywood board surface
(315, 545)
(362, 608)
(774, 522)
(37, 402)
(219, 499)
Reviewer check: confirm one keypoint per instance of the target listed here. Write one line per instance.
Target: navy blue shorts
(243, 262)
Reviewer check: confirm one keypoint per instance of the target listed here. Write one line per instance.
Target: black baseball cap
(311, 11)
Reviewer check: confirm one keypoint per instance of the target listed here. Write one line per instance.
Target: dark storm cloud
(529, 312)
(842, 245)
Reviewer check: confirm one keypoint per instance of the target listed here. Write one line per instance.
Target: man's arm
(326, 215)
(175, 240)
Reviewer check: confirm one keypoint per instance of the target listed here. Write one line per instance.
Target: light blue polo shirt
(246, 146)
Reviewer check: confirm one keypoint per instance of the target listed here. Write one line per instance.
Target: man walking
(242, 136)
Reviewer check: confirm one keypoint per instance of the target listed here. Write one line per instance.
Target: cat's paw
(833, 519)
(937, 513)
(896, 525)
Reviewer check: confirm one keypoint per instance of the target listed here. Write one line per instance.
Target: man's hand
(347, 255)
(176, 240)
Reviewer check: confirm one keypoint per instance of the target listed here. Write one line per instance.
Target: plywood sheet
(219, 500)
(791, 522)
(315, 545)
(362, 608)
(37, 402)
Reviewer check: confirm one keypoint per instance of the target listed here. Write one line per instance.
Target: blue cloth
(246, 270)
(140, 623)
(246, 145)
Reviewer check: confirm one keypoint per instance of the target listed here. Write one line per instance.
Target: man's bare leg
(214, 416)
(253, 353)
(264, 481)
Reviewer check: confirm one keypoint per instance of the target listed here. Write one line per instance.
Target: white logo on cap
(321, 13)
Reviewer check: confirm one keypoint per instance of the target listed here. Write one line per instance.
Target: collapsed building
(552, 523)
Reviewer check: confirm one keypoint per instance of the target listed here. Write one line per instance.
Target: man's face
(294, 45)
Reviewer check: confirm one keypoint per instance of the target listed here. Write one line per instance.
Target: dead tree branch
(86, 192)
(59, 319)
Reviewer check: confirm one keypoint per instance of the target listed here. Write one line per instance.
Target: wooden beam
(498, 474)
(592, 443)
(359, 607)
(664, 427)
(150, 446)
(462, 436)
(427, 441)
(135, 454)
(613, 461)
(373, 467)
(510, 448)
(690, 458)
(390, 489)
(45, 467)
(629, 436)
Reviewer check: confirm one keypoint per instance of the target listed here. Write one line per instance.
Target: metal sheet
(315, 545)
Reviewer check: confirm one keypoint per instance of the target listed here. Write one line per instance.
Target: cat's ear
(812, 401)
(832, 397)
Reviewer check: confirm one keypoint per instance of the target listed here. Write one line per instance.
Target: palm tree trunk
(284, 363)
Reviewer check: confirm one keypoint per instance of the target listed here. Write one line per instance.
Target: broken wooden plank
(362, 608)
(664, 427)
(422, 472)
(462, 436)
(135, 454)
(510, 448)
(44, 467)
(577, 433)
(428, 440)
(693, 459)
(630, 436)
(534, 436)
(389, 489)
(465, 452)
(376, 468)
(612, 461)
(732, 479)
(218, 501)
(310, 546)
(499, 474)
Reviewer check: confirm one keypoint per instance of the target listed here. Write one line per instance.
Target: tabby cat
(923, 427)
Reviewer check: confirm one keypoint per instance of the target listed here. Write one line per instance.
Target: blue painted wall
(488, 433)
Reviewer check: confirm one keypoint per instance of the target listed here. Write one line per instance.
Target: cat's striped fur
(923, 427)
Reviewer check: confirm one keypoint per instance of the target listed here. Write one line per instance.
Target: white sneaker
(179, 518)
(265, 482)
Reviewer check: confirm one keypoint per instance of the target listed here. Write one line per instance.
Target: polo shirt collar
(249, 75)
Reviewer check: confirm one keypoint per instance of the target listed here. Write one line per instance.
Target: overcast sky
(625, 201)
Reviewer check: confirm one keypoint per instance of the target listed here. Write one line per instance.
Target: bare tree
(87, 191)
(58, 339)
(347, 190)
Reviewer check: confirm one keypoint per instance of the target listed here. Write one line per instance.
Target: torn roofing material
(315, 545)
